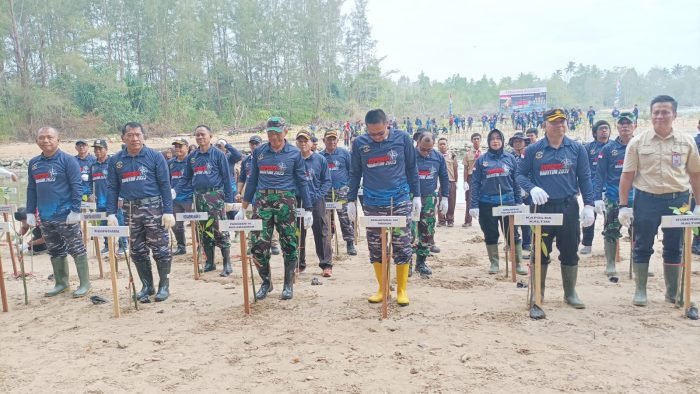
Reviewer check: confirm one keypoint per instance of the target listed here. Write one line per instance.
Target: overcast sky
(505, 37)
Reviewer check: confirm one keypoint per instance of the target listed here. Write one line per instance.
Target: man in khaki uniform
(448, 218)
(473, 153)
(662, 165)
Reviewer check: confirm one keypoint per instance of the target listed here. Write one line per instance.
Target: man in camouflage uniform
(339, 165)
(209, 174)
(431, 167)
(139, 175)
(385, 160)
(54, 189)
(277, 171)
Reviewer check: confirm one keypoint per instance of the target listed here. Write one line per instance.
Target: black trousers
(567, 236)
(322, 237)
(489, 224)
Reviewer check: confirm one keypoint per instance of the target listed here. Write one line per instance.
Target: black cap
(518, 136)
(81, 141)
(554, 114)
(629, 116)
(255, 139)
(100, 144)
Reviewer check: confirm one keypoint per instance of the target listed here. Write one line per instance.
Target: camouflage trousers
(401, 236)
(63, 239)
(612, 226)
(341, 195)
(275, 210)
(424, 229)
(212, 202)
(146, 232)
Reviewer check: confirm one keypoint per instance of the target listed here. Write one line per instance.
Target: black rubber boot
(164, 281)
(209, 252)
(351, 248)
(288, 290)
(422, 267)
(228, 270)
(180, 238)
(266, 285)
(146, 276)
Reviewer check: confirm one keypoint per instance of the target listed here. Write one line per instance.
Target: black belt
(273, 191)
(557, 201)
(144, 201)
(208, 189)
(666, 196)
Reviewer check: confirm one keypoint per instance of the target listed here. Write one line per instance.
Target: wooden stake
(511, 236)
(385, 271)
(617, 251)
(538, 265)
(244, 267)
(113, 270)
(12, 250)
(687, 273)
(3, 293)
(195, 255)
(99, 256)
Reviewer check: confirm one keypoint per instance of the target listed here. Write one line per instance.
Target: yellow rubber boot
(379, 297)
(401, 280)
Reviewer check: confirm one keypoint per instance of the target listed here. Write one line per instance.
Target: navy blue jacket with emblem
(85, 165)
(430, 169)
(387, 169)
(491, 170)
(561, 172)
(137, 177)
(98, 177)
(283, 170)
(593, 148)
(339, 164)
(183, 190)
(54, 186)
(208, 170)
(610, 161)
(318, 177)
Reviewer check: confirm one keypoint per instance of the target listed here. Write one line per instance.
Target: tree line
(89, 66)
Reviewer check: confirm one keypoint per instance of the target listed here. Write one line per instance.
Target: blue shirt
(283, 170)
(494, 179)
(54, 186)
(245, 168)
(183, 190)
(98, 176)
(561, 172)
(431, 168)
(318, 177)
(136, 177)
(233, 156)
(208, 170)
(85, 165)
(388, 169)
(339, 166)
(610, 161)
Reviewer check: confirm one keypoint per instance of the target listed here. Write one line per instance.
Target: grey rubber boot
(492, 251)
(164, 281)
(518, 259)
(641, 272)
(671, 273)
(60, 275)
(81, 265)
(569, 273)
(610, 252)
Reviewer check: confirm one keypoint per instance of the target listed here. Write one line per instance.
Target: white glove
(31, 220)
(352, 211)
(625, 216)
(587, 216)
(466, 186)
(249, 208)
(443, 205)
(84, 177)
(308, 219)
(539, 196)
(600, 207)
(168, 221)
(240, 215)
(523, 193)
(173, 193)
(73, 217)
(696, 210)
(417, 206)
(228, 207)
(112, 220)
(474, 212)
